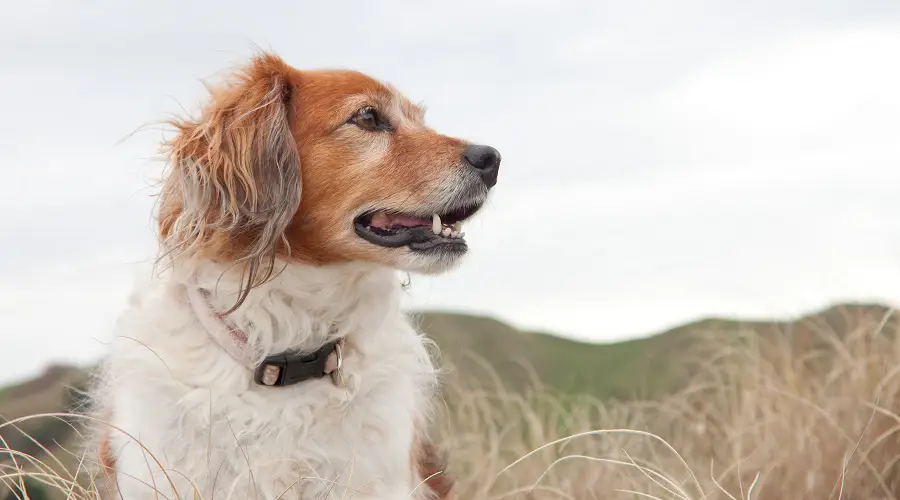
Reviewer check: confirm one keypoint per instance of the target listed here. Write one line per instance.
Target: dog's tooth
(457, 226)
(453, 234)
(436, 224)
(445, 232)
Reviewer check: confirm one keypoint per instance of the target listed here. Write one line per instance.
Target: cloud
(797, 94)
(65, 313)
(771, 189)
(661, 162)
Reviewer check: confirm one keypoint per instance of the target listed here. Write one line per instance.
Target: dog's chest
(315, 439)
(198, 411)
(231, 436)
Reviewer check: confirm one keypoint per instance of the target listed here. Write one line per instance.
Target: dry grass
(764, 417)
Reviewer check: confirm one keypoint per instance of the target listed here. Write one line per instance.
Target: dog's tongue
(384, 221)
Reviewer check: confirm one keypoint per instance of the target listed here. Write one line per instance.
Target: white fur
(215, 432)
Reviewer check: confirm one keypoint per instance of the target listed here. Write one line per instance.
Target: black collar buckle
(291, 367)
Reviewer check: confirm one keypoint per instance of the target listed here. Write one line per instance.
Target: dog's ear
(234, 181)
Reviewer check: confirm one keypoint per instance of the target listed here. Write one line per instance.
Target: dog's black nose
(486, 160)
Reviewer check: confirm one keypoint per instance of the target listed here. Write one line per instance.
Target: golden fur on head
(233, 194)
(299, 170)
(235, 182)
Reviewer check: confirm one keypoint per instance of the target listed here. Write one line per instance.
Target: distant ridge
(484, 350)
(634, 368)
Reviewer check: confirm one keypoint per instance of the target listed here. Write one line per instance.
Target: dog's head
(319, 167)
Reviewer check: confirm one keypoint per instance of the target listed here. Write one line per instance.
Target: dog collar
(281, 369)
(291, 367)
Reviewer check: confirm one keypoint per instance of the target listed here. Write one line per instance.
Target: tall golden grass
(763, 416)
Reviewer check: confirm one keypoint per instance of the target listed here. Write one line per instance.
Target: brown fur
(105, 479)
(234, 183)
(348, 168)
(431, 466)
(272, 133)
(234, 192)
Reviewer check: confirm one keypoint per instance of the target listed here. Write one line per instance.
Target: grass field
(762, 416)
(805, 409)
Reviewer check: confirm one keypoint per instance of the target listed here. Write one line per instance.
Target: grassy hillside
(55, 390)
(639, 368)
(485, 349)
(813, 414)
(481, 348)
(484, 352)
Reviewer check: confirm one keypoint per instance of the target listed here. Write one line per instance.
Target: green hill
(476, 346)
(494, 352)
(488, 351)
(482, 348)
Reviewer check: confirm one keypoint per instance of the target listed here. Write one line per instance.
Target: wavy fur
(187, 420)
(197, 410)
(234, 184)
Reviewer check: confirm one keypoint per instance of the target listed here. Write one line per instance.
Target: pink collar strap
(281, 369)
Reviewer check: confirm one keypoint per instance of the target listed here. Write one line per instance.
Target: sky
(662, 161)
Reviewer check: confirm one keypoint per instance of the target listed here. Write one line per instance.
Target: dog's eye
(368, 119)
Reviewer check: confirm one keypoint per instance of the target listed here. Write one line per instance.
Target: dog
(267, 356)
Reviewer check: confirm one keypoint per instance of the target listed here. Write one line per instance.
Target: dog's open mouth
(419, 232)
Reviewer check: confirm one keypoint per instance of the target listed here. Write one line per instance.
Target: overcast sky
(662, 161)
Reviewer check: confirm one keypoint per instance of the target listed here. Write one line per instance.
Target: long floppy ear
(234, 181)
